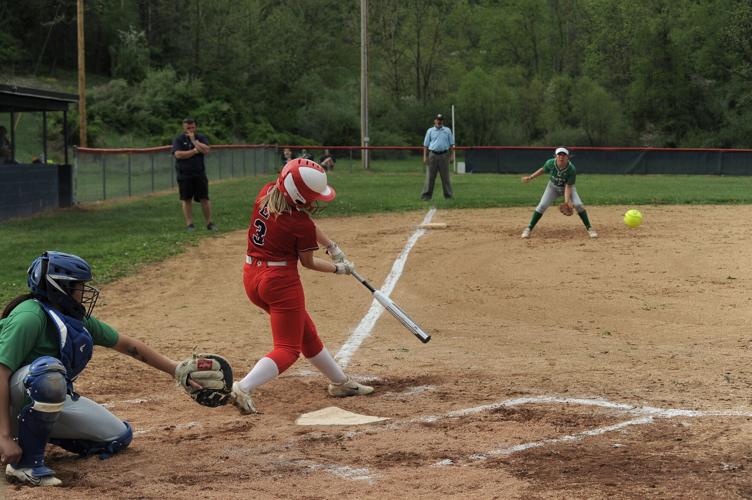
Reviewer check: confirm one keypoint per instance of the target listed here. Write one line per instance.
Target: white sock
(262, 372)
(324, 362)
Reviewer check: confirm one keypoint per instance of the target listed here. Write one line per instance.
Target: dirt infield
(559, 366)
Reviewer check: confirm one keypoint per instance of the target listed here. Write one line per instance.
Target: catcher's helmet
(54, 276)
(302, 182)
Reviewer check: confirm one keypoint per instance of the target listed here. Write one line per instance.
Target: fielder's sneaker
(349, 388)
(43, 476)
(526, 232)
(190, 228)
(592, 232)
(242, 400)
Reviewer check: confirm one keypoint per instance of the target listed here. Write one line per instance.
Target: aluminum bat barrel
(394, 309)
(402, 316)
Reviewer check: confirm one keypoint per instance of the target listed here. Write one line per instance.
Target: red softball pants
(279, 292)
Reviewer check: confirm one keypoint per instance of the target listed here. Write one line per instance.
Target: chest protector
(76, 344)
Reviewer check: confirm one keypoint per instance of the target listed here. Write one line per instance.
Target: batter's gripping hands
(344, 267)
(566, 209)
(336, 253)
(212, 372)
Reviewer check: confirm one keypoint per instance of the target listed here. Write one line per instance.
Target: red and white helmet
(304, 181)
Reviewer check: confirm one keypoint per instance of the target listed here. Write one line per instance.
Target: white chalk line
(645, 415)
(306, 373)
(342, 471)
(125, 401)
(503, 452)
(364, 328)
(177, 427)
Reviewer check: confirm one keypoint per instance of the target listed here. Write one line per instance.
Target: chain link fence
(102, 174)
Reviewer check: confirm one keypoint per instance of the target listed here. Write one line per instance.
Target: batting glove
(345, 267)
(336, 253)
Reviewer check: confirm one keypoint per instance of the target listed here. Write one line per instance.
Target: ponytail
(274, 201)
(13, 303)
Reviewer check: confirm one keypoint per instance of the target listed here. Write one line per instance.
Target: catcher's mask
(60, 279)
(303, 182)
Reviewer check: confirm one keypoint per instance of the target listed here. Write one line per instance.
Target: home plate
(336, 416)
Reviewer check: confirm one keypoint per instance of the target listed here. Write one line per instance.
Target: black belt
(439, 152)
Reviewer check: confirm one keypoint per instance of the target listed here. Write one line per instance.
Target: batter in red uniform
(282, 232)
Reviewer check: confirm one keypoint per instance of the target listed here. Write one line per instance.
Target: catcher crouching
(46, 340)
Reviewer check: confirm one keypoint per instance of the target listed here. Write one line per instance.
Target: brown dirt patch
(658, 316)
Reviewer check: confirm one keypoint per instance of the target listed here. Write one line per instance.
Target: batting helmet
(54, 276)
(304, 181)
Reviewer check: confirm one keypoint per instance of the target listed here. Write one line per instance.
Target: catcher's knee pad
(46, 387)
(105, 449)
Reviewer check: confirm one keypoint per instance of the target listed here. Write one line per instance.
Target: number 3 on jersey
(258, 236)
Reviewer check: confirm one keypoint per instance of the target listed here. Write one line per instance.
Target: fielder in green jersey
(562, 175)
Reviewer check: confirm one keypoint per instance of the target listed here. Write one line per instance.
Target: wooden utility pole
(81, 73)
(364, 80)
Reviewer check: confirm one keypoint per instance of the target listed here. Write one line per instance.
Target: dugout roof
(19, 99)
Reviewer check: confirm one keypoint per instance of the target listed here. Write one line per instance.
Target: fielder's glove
(566, 209)
(212, 372)
(336, 253)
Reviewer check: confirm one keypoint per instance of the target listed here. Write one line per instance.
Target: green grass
(120, 236)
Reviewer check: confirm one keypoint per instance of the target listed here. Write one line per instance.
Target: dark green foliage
(520, 72)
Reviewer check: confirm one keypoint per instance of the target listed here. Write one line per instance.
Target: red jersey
(279, 237)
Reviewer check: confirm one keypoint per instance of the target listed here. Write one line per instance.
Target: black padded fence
(515, 160)
(28, 189)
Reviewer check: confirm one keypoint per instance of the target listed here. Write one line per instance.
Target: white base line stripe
(503, 452)
(342, 471)
(189, 425)
(644, 411)
(364, 328)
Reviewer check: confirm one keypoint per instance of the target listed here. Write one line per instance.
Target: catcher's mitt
(566, 209)
(212, 372)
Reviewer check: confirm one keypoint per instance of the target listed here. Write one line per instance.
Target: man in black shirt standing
(189, 149)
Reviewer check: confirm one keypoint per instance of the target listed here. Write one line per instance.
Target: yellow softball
(633, 218)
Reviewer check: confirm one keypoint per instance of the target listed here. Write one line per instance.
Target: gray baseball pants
(552, 192)
(80, 419)
(440, 164)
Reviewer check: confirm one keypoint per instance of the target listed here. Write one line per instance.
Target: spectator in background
(439, 142)
(305, 154)
(189, 149)
(286, 157)
(327, 160)
(5, 150)
(35, 159)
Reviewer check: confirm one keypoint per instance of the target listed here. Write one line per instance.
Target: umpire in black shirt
(189, 149)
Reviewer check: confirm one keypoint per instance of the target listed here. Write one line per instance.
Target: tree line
(663, 73)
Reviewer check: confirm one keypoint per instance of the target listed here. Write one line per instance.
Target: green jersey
(560, 177)
(27, 334)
